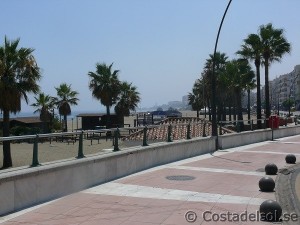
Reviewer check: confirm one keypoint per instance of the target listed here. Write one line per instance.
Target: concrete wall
(250, 137)
(31, 186)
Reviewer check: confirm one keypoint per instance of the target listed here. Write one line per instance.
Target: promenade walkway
(192, 191)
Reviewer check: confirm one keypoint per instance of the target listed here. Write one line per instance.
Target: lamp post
(213, 80)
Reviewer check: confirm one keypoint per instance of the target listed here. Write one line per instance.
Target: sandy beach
(56, 150)
(22, 152)
(49, 152)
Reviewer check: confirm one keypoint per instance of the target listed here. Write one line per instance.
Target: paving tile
(139, 223)
(156, 218)
(209, 182)
(280, 147)
(101, 221)
(245, 161)
(33, 217)
(91, 208)
(16, 223)
(66, 220)
(55, 209)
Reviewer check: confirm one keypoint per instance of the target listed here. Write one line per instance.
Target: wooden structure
(32, 124)
(92, 121)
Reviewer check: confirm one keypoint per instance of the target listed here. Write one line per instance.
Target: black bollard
(266, 184)
(270, 211)
(290, 159)
(271, 169)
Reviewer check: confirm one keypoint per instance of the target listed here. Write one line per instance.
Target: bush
(21, 130)
(56, 125)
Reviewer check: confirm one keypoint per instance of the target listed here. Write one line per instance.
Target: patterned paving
(225, 184)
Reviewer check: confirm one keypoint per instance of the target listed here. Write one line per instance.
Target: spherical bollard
(270, 211)
(271, 169)
(290, 159)
(266, 184)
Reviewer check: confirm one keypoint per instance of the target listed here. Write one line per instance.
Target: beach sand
(57, 150)
(22, 152)
(48, 152)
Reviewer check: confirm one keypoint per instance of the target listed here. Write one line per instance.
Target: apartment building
(284, 87)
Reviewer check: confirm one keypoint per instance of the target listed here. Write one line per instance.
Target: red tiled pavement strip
(226, 181)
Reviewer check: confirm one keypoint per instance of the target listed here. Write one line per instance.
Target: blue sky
(158, 45)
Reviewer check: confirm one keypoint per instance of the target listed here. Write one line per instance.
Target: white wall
(31, 186)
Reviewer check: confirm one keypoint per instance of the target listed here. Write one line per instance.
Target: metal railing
(187, 131)
(78, 136)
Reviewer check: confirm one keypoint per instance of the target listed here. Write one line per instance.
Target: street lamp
(213, 81)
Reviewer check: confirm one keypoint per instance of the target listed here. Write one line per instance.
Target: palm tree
(65, 98)
(250, 85)
(127, 100)
(220, 62)
(239, 74)
(19, 74)
(274, 46)
(251, 50)
(44, 104)
(196, 97)
(105, 86)
(206, 84)
(227, 93)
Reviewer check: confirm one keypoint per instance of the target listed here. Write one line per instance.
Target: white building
(284, 87)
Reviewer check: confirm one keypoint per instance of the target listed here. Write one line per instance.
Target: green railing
(87, 138)
(90, 136)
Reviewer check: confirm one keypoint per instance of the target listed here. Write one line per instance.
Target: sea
(31, 114)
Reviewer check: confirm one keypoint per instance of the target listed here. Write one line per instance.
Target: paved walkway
(199, 190)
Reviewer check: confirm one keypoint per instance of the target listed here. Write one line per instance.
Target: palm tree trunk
(267, 94)
(7, 161)
(224, 112)
(258, 99)
(234, 113)
(219, 112)
(239, 109)
(66, 123)
(248, 105)
(209, 111)
(51, 120)
(229, 112)
(51, 124)
(108, 116)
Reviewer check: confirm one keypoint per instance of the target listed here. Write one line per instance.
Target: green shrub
(22, 130)
(56, 125)
(19, 130)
